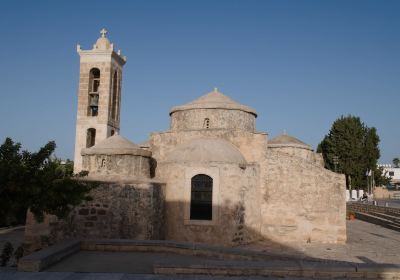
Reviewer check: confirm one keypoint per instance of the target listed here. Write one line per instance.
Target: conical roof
(214, 100)
(116, 145)
(285, 140)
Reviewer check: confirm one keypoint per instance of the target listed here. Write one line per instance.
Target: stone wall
(302, 201)
(117, 165)
(253, 146)
(118, 210)
(218, 118)
(236, 210)
(309, 155)
(366, 208)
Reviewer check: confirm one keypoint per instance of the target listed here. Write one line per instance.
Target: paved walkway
(127, 262)
(366, 243)
(115, 276)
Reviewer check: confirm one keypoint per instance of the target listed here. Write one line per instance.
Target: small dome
(103, 43)
(207, 150)
(285, 140)
(214, 100)
(116, 145)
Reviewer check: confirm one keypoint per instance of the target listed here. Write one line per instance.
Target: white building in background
(393, 173)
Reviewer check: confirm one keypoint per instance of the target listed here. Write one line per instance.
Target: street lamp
(335, 162)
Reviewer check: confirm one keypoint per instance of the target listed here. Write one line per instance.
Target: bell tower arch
(99, 95)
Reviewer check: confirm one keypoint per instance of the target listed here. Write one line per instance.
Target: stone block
(39, 260)
(83, 211)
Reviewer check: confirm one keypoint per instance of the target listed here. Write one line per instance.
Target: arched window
(114, 97)
(90, 137)
(206, 123)
(201, 197)
(94, 85)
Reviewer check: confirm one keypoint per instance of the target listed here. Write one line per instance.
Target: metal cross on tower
(103, 32)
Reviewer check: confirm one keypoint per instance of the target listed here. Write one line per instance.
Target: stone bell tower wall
(93, 126)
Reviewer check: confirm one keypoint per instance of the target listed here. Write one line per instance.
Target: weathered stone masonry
(211, 178)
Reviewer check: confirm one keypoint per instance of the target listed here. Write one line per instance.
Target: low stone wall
(283, 269)
(49, 256)
(118, 210)
(368, 208)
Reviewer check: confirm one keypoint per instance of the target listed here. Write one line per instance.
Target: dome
(103, 43)
(206, 150)
(116, 145)
(214, 100)
(285, 140)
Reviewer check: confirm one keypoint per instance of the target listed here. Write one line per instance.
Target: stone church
(210, 178)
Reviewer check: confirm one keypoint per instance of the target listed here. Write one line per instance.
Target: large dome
(206, 150)
(116, 145)
(214, 100)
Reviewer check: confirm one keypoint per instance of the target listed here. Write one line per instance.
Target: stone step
(44, 258)
(392, 218)
(367, 208)
(298, 269)
(378, 221)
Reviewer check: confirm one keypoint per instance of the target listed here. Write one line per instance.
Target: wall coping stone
(120, 180)
(39, 260)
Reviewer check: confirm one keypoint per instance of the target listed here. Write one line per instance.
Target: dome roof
(206, 150)
(214, 100)
(103, 43)
(285, 140)
(116, 145)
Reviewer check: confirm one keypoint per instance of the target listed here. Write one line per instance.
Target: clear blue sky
(300, 64)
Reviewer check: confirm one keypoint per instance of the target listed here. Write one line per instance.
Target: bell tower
(99, 96)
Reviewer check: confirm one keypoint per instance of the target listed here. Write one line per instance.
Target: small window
(391, 173)
(90, 137)
(206, 123)
(201, 197)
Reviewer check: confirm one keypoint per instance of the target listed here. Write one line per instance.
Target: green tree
(381, 177)
(396, 162)
(357, 148)
(38, 182)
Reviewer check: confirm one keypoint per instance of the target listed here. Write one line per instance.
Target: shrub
(19, 253)
(6, 253)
